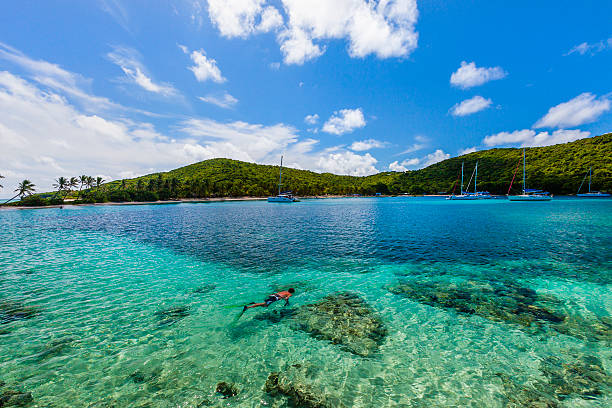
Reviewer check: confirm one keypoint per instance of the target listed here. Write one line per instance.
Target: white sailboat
(529, 194)
(465, 195)
(282, 197)
(590, 194)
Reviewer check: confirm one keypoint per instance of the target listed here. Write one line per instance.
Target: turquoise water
(100, 283)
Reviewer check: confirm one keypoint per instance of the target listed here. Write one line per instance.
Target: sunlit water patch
(399, 302)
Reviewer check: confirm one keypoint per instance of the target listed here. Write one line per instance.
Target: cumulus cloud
(344, 121)
(311, 119)
(395, 166)
(470, 106)
(531, 138)
(205, 68)
(420, 162)
(128, 60)
(584, 108)
(363, 145)
(346, 162)
(592, 49)
(240, 18)
(224, 100)
(385, 28)
(469, 75)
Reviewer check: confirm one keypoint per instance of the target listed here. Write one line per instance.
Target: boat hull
(282, 200)
(529, 198)
(593, 195)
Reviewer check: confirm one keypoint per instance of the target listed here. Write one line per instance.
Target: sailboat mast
(590, 179)
(523, 170)
(280, 176)
(476, 178)
(461, 177)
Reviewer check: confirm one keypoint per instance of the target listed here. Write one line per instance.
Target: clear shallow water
(100, 276)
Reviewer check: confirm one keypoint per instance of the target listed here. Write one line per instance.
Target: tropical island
(558, 168)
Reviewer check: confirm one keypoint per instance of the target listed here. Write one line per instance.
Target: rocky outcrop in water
(343, 318)
(12, 311)
(172, 315)
(228, 390)
(505, 302)
(12, 398)
(580, 376)
(292, 384)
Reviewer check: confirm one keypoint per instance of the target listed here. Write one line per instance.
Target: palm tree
(61, 184)
(73, 183)
(1, 176)
(99, 181)
(90, 182)
(24, 188)
(82, 180)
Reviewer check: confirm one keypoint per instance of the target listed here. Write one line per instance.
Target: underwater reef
(293, 385)
(12, 311)
(13, 398)
(506, 302)
(172, 315)
(342, 318)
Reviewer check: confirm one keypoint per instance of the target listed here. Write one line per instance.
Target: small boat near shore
(282, 197)
(590, 194)
(466, 195)
(529, 194)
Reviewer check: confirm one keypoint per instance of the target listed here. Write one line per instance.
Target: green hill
(558, 169)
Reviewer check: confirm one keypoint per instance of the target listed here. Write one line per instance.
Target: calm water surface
(128, 306)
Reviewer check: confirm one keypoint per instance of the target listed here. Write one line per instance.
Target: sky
(118, 88)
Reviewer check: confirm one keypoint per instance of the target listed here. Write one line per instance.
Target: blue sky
(123, 88)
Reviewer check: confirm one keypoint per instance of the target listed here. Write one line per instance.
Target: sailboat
(590, 194)
(282, 197)
(465, 195)
(529, 194)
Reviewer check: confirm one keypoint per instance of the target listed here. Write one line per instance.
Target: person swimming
(286, 294)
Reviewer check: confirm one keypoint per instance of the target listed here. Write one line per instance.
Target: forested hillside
(559, 169)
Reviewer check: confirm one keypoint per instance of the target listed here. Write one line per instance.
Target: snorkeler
(286, 294)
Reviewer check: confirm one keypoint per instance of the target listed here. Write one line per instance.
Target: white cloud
(275, 66)
(344, 121)
(347, 162)
(240, 18)
(584, 108)
(470, 106)
(205, 68)
(592, 49)
(530, 138)
(385, 28)
(223, 101)
(363, 145)
(129, 61)
(467, 150)
(419, 163)
(311, 119)
(468, 75)
(395, 166)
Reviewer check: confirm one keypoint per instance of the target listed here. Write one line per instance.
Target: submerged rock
(172, 315)
(11, 311)
(584, 376)
(200, 290)
(344, 319)
(228, 390)
(533, 397)
(293, 385)
(12, 398)
(55, 348)
(140, 377)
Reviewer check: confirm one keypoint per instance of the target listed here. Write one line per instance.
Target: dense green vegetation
(558, 169)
